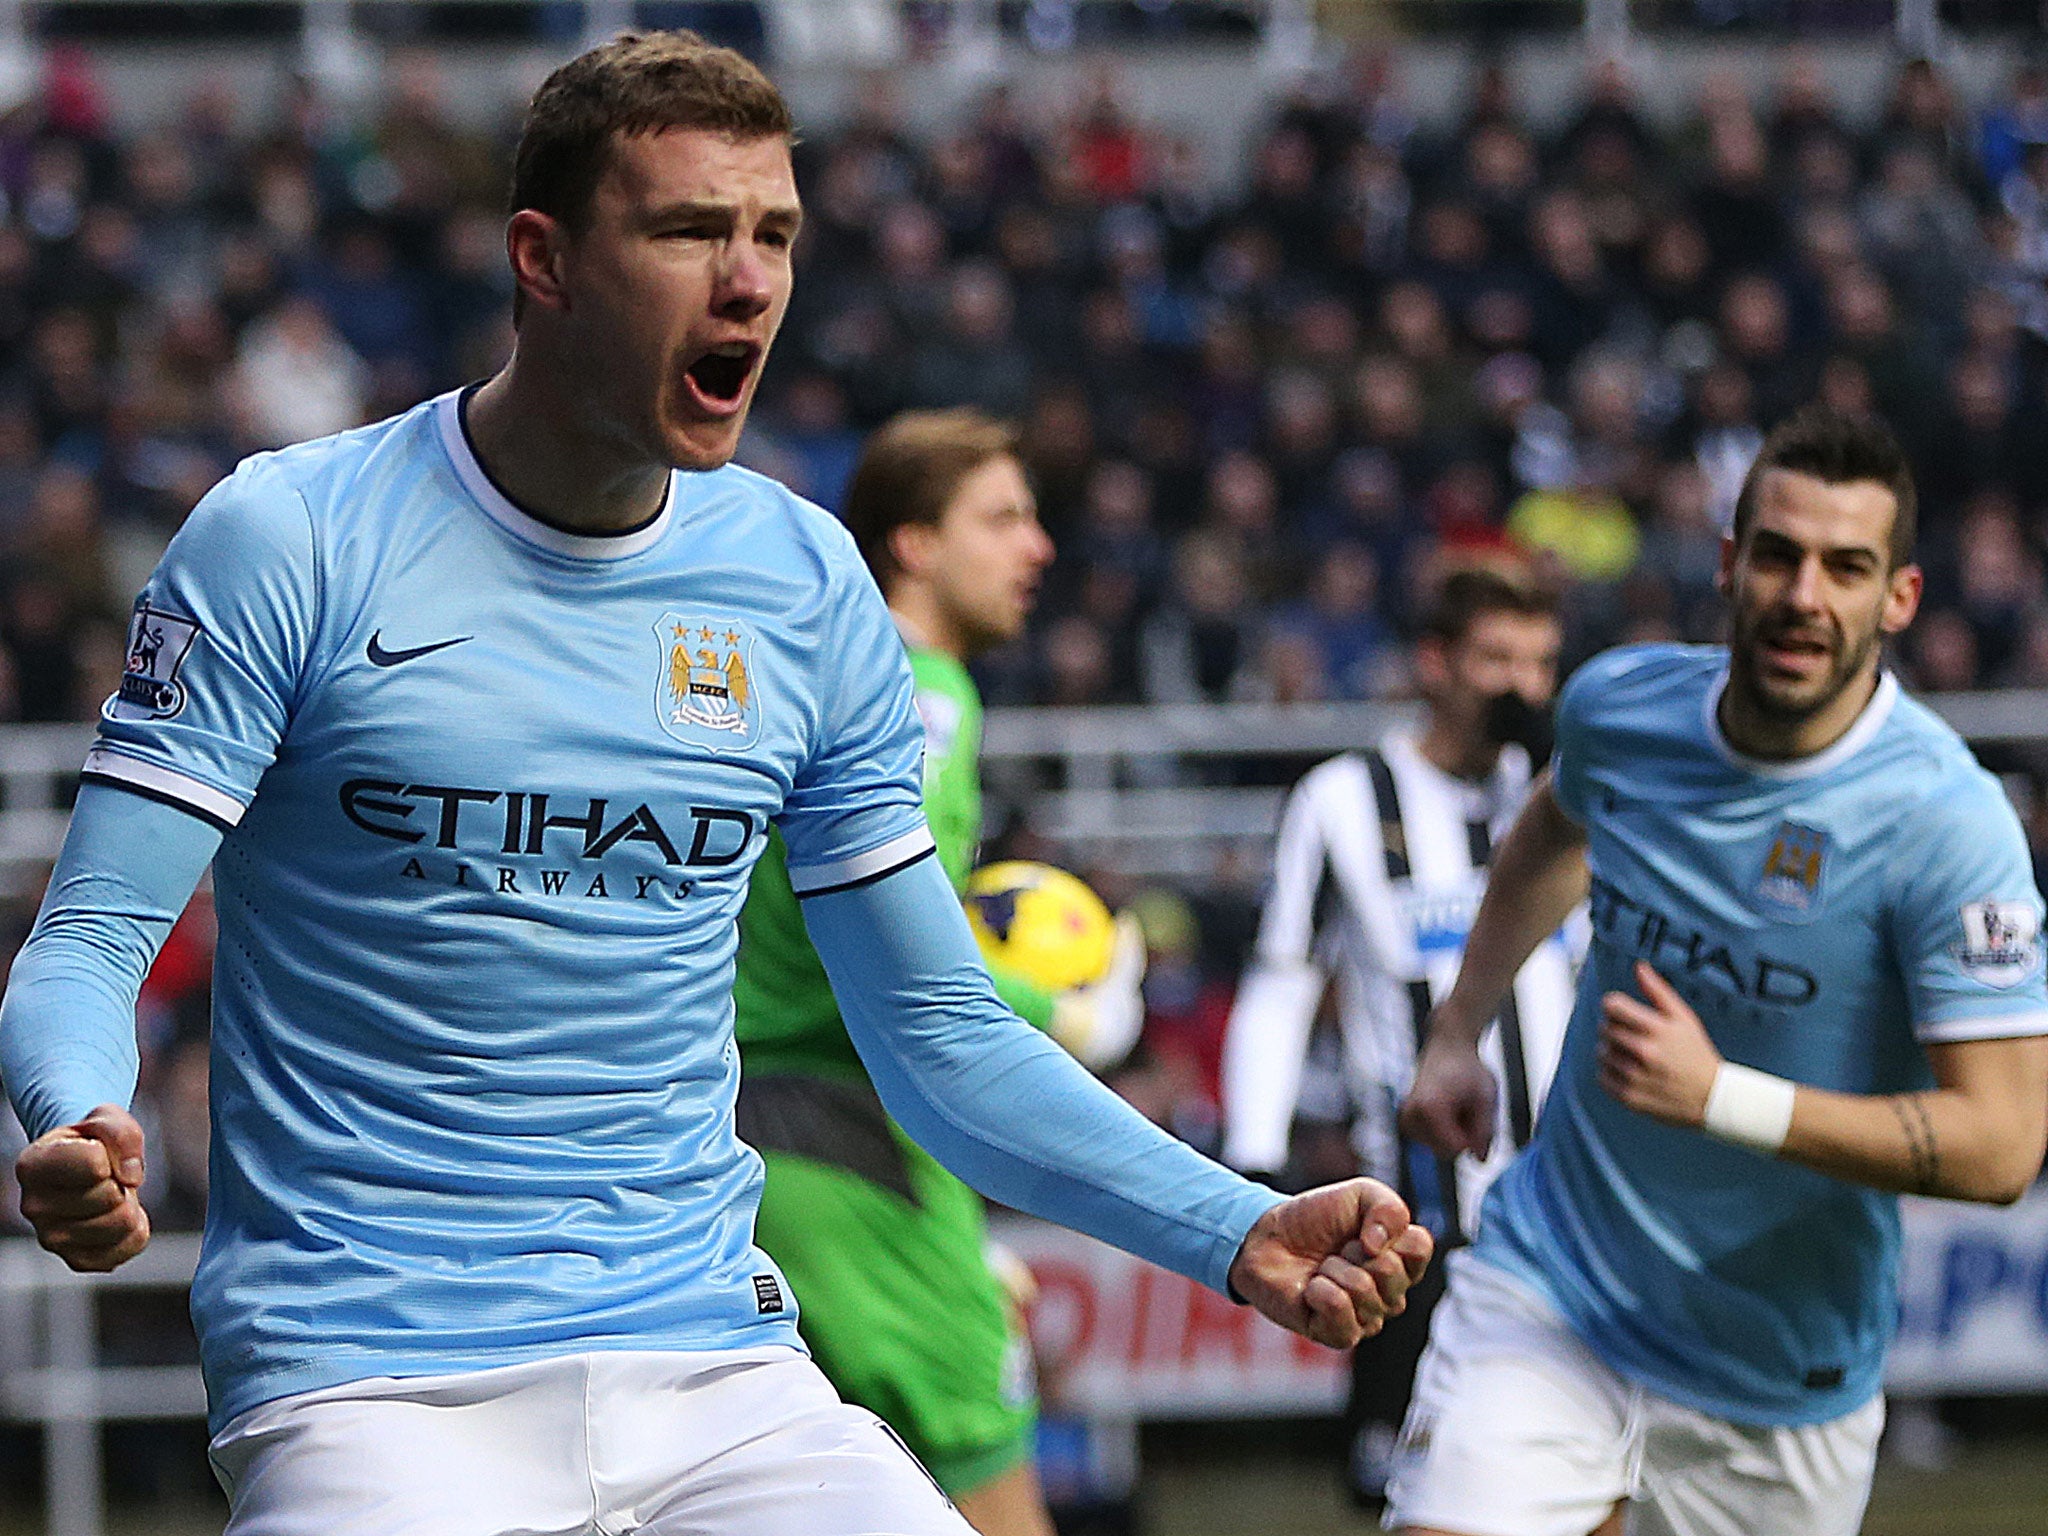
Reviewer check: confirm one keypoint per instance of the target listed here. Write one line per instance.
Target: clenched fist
(81, 1190)
(1333, 1264)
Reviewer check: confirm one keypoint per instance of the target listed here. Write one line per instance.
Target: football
(1040, 923)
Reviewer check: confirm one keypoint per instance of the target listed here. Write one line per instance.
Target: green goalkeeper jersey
(785, 1016)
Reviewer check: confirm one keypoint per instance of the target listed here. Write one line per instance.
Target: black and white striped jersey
(1377, 874)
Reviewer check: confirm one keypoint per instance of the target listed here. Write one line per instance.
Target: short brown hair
(1837, 448)
(639, 82)
(1469, 593)
(911, 470)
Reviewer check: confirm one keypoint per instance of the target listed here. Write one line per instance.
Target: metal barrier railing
(50, 1371)
(1122, 787)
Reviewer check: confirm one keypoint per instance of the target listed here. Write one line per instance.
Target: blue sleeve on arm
(67, 1026)
(998, 1103)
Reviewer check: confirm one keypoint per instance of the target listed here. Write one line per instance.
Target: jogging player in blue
(1815, 981)
(482, 715)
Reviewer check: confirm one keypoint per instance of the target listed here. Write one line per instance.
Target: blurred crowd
(1261, 402)
(1261, 408)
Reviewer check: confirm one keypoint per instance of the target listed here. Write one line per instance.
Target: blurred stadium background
(1296, 302)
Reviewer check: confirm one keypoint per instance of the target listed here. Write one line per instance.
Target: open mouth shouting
(718, 378)
(1797, 651)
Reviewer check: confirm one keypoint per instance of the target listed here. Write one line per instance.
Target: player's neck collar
(1840, 750)
(522, 524)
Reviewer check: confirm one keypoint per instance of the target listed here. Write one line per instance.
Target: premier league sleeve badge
(158, 643)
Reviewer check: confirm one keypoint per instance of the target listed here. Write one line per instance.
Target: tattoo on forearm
(1921, 1145)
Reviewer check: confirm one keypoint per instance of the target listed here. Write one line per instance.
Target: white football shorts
(1518, 1429)
(733, 1443)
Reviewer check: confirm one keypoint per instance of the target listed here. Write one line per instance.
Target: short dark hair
(911, 468)
(639, 82)
(1469, 593)
(1837, 448)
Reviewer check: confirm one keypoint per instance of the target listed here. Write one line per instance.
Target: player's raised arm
(1537, 878)
(1007, 1110)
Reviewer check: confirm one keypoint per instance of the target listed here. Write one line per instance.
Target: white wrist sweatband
(1750, 1108)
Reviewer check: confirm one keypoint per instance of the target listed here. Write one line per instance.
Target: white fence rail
(50, 1370)
(1123, 788)
(1129, 788)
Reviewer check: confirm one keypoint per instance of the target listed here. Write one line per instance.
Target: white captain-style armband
(1750, 1108)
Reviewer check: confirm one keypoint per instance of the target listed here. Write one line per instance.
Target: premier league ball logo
(2001, 944)
(158, 643)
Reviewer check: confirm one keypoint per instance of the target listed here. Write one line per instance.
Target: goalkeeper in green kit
(884, 1248)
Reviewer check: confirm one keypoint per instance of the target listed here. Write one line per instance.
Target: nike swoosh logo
(379, 657)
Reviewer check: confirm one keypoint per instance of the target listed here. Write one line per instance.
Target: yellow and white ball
(1040, 924)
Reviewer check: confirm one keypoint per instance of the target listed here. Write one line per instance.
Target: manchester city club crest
(706, 691)
(1793, 867)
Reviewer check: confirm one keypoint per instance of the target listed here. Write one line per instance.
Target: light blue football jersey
(493, 792)
(1825, 917)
